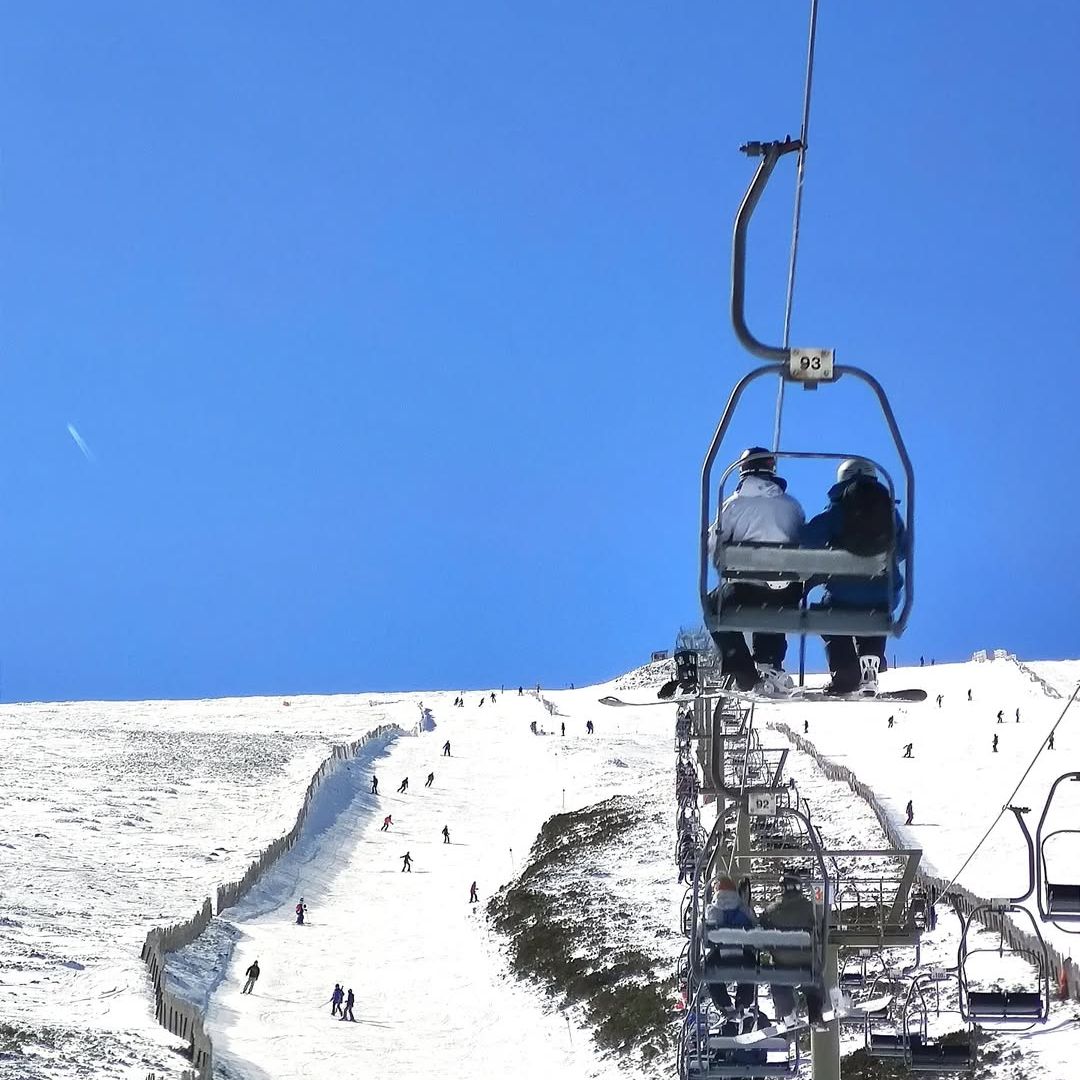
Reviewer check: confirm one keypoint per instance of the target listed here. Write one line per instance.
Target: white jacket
(758, 510)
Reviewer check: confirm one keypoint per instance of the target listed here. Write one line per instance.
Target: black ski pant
(346, 1013)
(744, 992)
(769, 649)
(843, 654)
(335, 1008)
(784, 1000)
(249, 985)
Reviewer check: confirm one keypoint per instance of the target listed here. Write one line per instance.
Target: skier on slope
(910, 811)
(386, 823)
(446, 834)
(446, 748)
(492, 697)
(430, 779)
(301, 910)
(406, 863)
(374, 785)
(335, 999)
(1001, 716)
(473, 895)
(346, 1013)
(589, 727)
(861, 518)
(994, 746)
(252, 974)
(759, 510)
(404, 786)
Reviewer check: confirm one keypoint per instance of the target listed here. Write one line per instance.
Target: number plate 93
(811, 365)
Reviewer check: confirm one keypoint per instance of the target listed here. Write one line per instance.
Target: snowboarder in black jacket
(252, 978)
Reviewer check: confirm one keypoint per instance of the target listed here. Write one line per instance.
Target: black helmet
(757, 459)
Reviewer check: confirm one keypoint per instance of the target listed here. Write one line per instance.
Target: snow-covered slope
(143, 808)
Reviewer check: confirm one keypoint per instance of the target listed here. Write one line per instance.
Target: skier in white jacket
(761, 511)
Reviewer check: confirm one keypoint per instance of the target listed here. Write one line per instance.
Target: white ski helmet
(854, 467)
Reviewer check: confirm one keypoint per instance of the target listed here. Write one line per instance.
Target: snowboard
(799, 694)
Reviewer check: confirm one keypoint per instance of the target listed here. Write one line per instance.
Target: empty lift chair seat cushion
(1062, 899)
(892, 1044)
(990, 1005)
(941, 1057)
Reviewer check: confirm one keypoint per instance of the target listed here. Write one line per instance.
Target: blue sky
(398, 332)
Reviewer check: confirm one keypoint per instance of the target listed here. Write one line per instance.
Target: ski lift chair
(923, 1054)
(1004, 1010)
(705, 1054)
(742, 943)
(811, 368)
(788, 563)
(1058, 902)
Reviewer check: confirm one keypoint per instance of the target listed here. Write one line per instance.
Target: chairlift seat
(760, 975)
(1063, 899)
(1012, 1005)
(892, 1044)
(784, 562)
(759, 938)
(940, 1057)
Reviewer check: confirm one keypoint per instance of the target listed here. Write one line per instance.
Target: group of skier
(459, 701)
(861, 517)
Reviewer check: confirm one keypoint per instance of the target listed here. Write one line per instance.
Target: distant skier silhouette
(908, 749)
(386, 823)
(473, 897)
(994, 747)
(346, 1013)
(406, 863)
(589, 727)
(446, 834)
(404, 786)
(910, 813)
(252, 978)
(430, 779)
(374, 785)
(446, 748)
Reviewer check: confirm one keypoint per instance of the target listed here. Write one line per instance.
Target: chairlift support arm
(770, 153)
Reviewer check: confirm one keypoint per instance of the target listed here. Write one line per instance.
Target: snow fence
(180, 1016)
(1064, 972)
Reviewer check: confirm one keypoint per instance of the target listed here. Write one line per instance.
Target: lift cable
(797, 216)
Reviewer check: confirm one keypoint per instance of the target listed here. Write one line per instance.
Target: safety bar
(770, 153)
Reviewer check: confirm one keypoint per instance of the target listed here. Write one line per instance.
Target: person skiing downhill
(301, 910)
(492, 697)
(346, 1013)
(1001, 716)
(860, 518)
(404, 786)
(374, 785)
(910, 811)
(252, 974)
(759, 511)
(430, 779)
(335, 999)
(994, 746)
(473, 897)
(406, 863)
(446, 834)
(386, 823)
(562, 728)
(589, 727)
(908, 749)
(446, 748)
